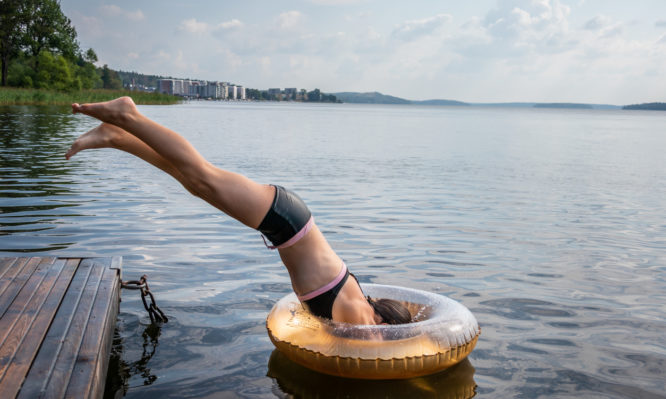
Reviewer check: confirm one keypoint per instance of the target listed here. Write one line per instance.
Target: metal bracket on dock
(156, 315)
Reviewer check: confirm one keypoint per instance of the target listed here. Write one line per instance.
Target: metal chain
(156, 315)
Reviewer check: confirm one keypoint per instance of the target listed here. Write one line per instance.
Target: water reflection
(293, 379)
(34, 171)
(121, 371)
(547, 225)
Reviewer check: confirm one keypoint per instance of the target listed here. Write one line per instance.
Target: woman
(318, 275)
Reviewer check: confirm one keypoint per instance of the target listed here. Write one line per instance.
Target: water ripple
(547, 224)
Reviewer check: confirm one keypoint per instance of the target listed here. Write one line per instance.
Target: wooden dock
(57, 317)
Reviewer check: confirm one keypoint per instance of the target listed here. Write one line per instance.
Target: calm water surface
(548, 224)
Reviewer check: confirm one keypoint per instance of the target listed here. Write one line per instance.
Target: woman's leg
(234, 194)
(111, 136)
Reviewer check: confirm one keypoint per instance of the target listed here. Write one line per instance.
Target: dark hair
(390, 310)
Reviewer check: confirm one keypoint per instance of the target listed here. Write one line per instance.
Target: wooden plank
(20, 302)
(92, 361)
(102, 367)
(32, 338)
(12, 282)
(62, 371)
(45, 362)
(117, 264)
(19, 318)
(57, 318)
(5, 264)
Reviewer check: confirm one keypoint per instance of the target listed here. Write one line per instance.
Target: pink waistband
(325, 288)
(293, 240)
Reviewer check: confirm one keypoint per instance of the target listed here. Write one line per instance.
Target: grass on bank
(19, 96)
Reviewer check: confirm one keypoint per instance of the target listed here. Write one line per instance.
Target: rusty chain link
(156, 315)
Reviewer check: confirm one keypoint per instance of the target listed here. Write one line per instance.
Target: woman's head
(390, 311)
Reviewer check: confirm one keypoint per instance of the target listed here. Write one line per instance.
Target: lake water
(549, 225)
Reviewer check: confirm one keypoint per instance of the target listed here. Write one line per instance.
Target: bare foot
(116, 112)
(103, 136)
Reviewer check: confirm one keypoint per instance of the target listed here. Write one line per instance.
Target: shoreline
(22, 96)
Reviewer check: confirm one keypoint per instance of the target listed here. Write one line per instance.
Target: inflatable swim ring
(296, 381)
(444, 333)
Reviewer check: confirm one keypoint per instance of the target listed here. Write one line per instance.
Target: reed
(19, 96)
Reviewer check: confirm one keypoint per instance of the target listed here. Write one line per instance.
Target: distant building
(203, 89)
(194, 90)
(275, 93)
(290, 93)
(212, 90)
(165, 86)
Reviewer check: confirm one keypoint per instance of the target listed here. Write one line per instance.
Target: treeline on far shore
(647, 106)
(21, 96)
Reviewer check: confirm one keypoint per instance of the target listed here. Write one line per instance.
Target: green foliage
(20, 96)
(38, 48)
(90, 56)
(254, 94)
(647, 106)
(56, 72)
(110, 79)
(12, 19)
(48, 29)
(317, 96)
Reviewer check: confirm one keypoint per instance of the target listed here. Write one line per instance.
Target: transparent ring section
(442, 333)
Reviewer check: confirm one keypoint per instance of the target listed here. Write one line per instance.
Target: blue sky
(594, 51)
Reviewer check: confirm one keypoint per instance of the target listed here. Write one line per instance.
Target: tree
(56, 73)
(110, 79)
(12, 23)
(48, 29)
(90, 56)
(314, 95)
(86, 71)
(38, 48)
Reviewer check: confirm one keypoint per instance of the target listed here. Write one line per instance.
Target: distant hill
(647, 106)
(563, 105)
(548, 105)
(379, 98)
(505, 105)
(440, 102)
(369, 98)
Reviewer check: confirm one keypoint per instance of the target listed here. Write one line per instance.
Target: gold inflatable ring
(443, 333)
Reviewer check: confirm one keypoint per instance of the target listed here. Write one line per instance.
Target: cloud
(193, 26)
(615, 30)
(115, 11)
(135, 15)
(527, 18)
(289, 20)
(410, 30)
(514, 49)
(596, 23)
(178, 63)
(228, 25)
(88, 26)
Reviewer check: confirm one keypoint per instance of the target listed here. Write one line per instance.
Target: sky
(586, 51)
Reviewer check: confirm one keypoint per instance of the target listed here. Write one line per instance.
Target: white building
(165, 86)
(194, 88)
